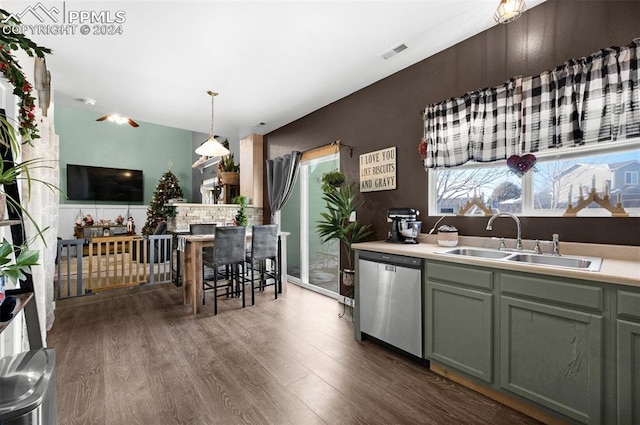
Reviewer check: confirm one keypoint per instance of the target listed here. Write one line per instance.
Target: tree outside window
(547, 189)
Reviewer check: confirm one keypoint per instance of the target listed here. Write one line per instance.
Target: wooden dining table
(192, 245)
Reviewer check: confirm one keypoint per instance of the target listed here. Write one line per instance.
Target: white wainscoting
(68, 213)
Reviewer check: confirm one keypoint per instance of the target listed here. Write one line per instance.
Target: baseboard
(500, 397)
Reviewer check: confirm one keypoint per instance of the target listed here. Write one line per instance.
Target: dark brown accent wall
(388, 112)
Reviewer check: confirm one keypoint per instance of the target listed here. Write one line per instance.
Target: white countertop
(620, 264)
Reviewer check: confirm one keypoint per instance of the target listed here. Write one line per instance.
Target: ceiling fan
(119, 119)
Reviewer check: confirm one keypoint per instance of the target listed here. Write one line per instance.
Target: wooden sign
(378, 170)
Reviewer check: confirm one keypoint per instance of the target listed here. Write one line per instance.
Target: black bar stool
(228, 250)
(264, 246)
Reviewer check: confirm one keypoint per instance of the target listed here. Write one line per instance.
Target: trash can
(28, 388)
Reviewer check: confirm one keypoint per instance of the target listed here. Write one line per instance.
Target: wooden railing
(113, 269)
(112, 263)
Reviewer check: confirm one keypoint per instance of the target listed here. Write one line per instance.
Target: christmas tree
(160, 210)
(241, 217)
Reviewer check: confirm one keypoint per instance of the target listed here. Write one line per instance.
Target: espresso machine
(404, 227)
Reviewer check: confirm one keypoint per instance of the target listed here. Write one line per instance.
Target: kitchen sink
(581, 263)
(573, 262)
(478, 252)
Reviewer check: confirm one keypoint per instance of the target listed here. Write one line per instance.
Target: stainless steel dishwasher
(391, 299)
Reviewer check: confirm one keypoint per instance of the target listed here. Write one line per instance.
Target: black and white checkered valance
(590, 100)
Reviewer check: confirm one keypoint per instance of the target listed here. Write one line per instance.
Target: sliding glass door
(310, 262)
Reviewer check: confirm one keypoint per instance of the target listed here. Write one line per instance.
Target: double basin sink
(573, 262)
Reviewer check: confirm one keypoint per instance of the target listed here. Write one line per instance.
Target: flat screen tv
(85, 183)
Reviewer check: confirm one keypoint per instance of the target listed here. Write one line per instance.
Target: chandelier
(509, 10)
(211, 147)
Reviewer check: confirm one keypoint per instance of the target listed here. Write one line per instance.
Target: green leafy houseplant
(228, 171)
(11, 173)
(336, 224)
(13, 267)
(332, 179)
(14, 270)
(227, 164)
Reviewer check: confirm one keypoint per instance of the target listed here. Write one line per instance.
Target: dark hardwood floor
(138, 357)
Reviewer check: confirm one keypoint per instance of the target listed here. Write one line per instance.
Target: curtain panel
(590, 100)
(282, 173)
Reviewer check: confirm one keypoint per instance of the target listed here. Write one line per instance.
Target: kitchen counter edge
(615, 271)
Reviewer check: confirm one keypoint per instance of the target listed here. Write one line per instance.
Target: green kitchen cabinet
(628, 357)
(569, 347)
(552, 344)
(459, 318)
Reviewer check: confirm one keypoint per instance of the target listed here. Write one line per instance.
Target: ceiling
(271, 62)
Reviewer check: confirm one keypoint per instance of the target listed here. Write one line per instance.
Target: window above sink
(544, 192)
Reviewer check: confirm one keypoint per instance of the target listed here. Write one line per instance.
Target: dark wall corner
(388, 112)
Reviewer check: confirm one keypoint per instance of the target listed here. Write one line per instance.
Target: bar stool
(228, 250)
(202, 228)
(207, 251)
(264, 246)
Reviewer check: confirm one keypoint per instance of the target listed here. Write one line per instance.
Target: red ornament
(521, 164)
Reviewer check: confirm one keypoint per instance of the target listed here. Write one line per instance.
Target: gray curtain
(282, 173)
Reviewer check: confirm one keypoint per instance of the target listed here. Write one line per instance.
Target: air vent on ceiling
(399, 48)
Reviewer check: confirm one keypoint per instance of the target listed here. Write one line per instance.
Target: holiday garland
(10, 40)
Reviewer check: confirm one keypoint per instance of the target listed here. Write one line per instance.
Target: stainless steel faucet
(516, 219)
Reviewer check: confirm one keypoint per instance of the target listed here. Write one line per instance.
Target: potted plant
(15, 261)
(332, 179)
(228, 170)
(336, 224)
(14, 270)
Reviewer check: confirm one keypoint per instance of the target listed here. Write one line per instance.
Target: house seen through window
(546, 191)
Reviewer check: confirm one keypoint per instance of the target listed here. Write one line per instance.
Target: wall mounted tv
(85, 183)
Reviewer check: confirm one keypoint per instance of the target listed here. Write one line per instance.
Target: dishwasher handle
(392, 259)
(389, 268)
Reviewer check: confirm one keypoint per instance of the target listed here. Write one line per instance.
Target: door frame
(303, 177)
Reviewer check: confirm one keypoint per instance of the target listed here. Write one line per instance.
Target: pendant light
(211, 147)
(509, 10)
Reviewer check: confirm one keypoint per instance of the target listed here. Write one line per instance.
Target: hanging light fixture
(509, 10)
(211, 147)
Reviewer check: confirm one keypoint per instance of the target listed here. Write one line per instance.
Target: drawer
(629, 304)
(464, 275)
(546, 288)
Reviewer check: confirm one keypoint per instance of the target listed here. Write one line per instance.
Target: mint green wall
(148, 148)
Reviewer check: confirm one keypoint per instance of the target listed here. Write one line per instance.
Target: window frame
(527, 183)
